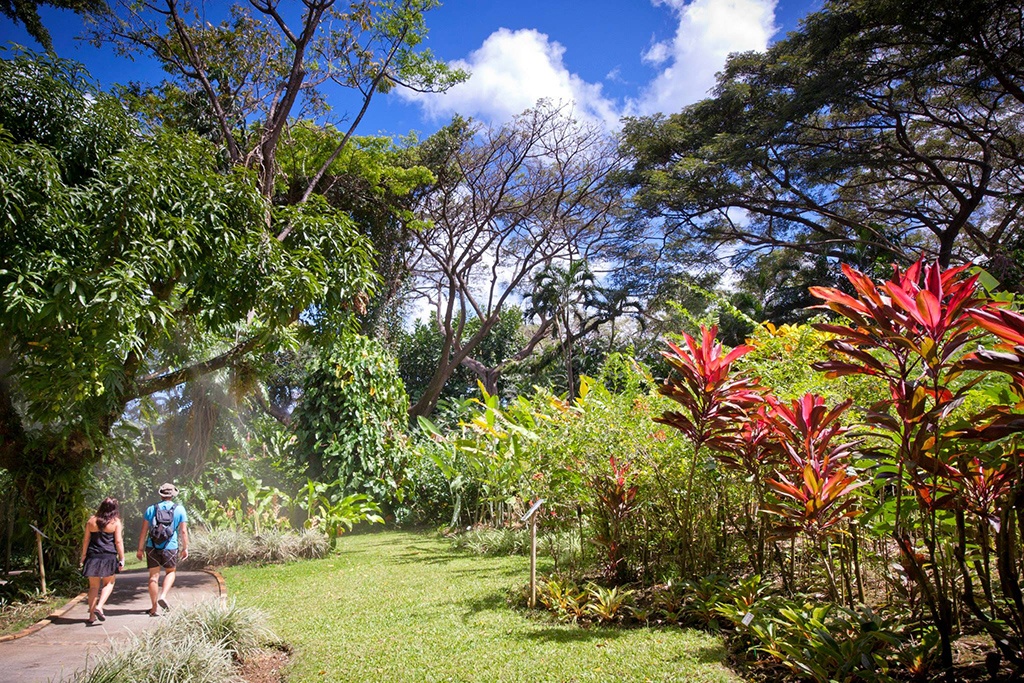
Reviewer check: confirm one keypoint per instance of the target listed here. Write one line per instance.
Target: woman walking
(102, 555)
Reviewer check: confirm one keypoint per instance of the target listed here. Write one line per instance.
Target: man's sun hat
(168, 490)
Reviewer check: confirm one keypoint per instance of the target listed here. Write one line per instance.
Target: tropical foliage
(759, 363)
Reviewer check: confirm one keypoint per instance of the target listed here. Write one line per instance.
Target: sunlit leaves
(155, 260)
(912, 332)
(713, 399)
(814, 486)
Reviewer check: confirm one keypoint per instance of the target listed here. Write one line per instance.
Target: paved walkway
(67, 644)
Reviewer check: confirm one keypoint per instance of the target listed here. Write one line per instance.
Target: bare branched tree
(510, 202)
(260, 69)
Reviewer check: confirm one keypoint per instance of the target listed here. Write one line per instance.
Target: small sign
(748, 618)
(38, 531)
(532, 510)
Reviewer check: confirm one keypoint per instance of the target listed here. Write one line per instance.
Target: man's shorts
(158, 557)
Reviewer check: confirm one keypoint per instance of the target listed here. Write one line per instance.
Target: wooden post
(9, 515)
(533, 561)
(531, 517)
(42, 568)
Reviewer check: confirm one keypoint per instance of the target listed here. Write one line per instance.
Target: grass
(405, 607)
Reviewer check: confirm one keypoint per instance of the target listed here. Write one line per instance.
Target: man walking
(164, 538)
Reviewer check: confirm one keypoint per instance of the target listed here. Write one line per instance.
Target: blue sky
(608, 57)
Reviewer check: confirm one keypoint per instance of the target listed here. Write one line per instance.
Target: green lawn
(403, 607)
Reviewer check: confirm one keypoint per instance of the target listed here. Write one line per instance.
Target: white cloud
(511, 70)
(509, 73)
(708, 31)
(657, 54)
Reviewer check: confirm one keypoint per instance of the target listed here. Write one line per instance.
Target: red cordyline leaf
(749, 448)
(714, 402)
(1006, 324)
(906, 312)
(984, 486)
(939, 306)
(816, 481)
(836, 299)
(815, 504)
(806, 427)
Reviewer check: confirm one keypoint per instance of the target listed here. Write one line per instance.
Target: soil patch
(265, 667)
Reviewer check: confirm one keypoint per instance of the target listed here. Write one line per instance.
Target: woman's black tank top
(101, 543)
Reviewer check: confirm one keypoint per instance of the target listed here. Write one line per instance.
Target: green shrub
(24, 586)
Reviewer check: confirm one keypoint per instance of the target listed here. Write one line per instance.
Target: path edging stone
(222, 590)
(59, 612)
(222, 587)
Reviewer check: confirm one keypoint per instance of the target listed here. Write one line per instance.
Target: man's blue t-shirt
(179, 517)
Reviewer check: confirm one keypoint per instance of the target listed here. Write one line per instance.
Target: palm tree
(563, 296)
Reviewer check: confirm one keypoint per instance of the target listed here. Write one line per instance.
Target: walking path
(67, 644)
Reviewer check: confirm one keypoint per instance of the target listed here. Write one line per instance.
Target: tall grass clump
(156, 658)
(238, 630)
(276, 546)
(494, 542)
(199, 644)
(227, 547)
(223, 547)
(313, 545)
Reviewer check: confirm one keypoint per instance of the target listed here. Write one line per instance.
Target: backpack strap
(157, 508)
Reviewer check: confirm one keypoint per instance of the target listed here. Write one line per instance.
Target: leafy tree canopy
(242, 81)
(130, 264)
(26, 12)
(876, 131)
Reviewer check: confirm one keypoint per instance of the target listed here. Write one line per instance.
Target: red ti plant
(751, 450)
(617, 496)
(911, 332)
(814, 488)
(714, 402)
(713, 398)
(995, 491)
(1008, 326)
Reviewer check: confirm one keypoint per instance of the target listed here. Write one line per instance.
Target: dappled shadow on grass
(342, 550)
(706, 654)
(421, 555)
(489, 571)
(568, 634)
(486, 603)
